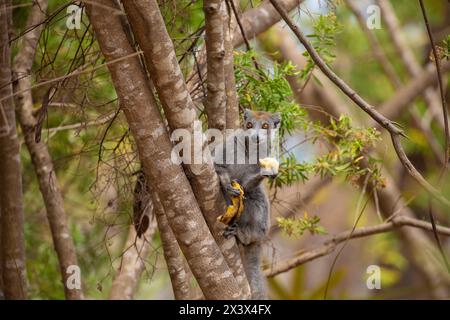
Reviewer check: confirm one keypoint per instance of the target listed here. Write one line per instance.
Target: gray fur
(251, 229)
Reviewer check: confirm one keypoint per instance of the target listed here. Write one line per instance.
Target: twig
(241, 28)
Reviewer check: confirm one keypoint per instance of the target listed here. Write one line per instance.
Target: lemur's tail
(252, 264)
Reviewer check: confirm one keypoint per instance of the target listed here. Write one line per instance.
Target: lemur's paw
(230, 231)
(269, 167)
(232, 191)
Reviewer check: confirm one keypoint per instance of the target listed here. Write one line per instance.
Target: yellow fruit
(236, 208)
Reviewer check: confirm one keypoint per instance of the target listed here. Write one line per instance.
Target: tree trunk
(179, 272)
(232, 108)
(132, 265)
(215, 101)
(12, 218)
(154, 148)
(151, 34)
(40, 155)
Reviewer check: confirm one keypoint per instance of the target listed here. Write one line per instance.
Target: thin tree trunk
(180, 112)
(135, 252)
(12, 218)
(40, 155)
(215, 101)
(232, 103)
(154, 148)
(179, 272)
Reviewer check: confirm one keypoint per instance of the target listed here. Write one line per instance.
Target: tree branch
(253, 21)
(331, 244)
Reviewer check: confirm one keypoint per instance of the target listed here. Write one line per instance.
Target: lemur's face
(261, 124)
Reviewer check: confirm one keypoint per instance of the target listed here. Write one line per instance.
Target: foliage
(325, 27)
(446, 48)
(296, 227)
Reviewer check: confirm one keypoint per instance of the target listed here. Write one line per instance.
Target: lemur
(250, 229)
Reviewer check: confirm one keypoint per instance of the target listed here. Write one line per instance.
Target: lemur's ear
(276, 118)
(247, 114)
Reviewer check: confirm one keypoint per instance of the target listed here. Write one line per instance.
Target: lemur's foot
(230, 231)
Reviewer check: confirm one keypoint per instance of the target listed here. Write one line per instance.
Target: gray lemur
(251, 227)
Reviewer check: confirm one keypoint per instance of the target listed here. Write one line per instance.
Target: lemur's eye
(265, 126)
(249, 125)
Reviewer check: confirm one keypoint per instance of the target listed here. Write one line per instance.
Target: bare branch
(331, 244)
(394, 79)
(406, 94)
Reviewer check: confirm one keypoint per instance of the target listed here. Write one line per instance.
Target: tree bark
(215, 100)
(232, 103)
(151, 34)
(12, 216)
(154, 148)
(40, 155)
(179, 272)
(261, 18)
